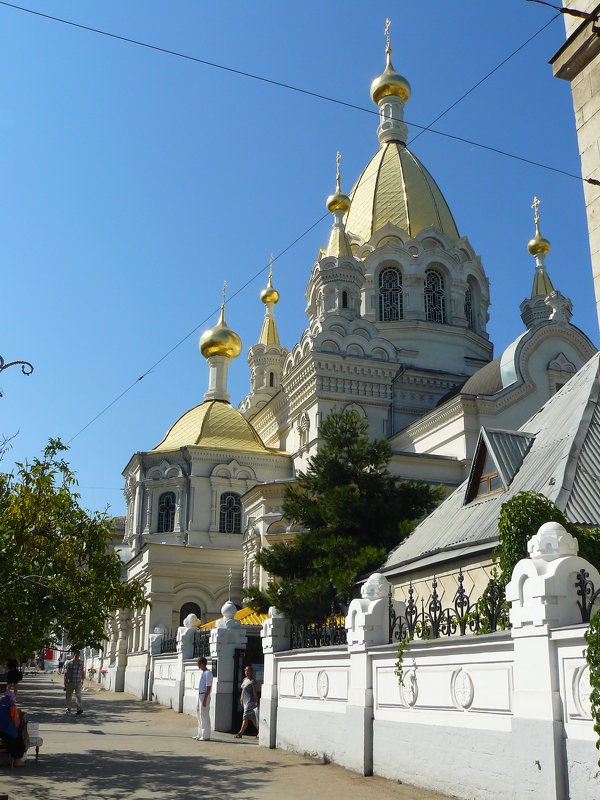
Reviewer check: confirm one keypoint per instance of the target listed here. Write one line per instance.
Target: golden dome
(220, 340)
(270, 294)
(390, 83)
(395, 187)
(538, 245)
(214, 425)
(338, 202)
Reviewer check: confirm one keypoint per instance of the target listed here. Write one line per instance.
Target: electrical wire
(194, 330)
(316, 95)
(299, 90)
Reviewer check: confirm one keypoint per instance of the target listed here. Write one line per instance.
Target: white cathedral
(397, 306)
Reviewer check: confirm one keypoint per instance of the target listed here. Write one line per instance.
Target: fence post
(275, 638)
(185, 649)
(542, 596)
(367, 625)
(225, 638)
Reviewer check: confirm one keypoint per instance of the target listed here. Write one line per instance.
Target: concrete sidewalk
(124, 748)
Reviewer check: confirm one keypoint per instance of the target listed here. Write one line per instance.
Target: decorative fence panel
(202, 644)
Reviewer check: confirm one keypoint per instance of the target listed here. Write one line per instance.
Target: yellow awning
(245, 615)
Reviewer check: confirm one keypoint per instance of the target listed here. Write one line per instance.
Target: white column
(543, 596)
(217, 379)
(275, 638)
(225, 638)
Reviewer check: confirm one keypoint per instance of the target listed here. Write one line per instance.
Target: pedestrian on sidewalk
(203, 707)
(74, 676)
(249, 702)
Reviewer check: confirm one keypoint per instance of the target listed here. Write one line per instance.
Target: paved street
(122, 748)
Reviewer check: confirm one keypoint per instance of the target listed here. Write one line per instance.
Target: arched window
(435, 302)
(166, 512)
(390, 295)
(469, 309)
(187, 609)
(344, 299)
(230, 517)
(271, 379)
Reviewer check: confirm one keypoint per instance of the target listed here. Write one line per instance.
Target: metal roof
(563, 463)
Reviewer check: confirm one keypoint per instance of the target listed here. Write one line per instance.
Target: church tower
(266, 358)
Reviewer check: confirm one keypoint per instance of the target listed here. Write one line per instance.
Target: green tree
(57, 570)
(521, 517)
(351, 512)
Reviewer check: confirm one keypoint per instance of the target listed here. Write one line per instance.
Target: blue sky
(134, 183)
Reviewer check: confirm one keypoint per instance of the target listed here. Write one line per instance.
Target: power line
(193, 331)
(299, 90)
(485, 77)
(424, 129)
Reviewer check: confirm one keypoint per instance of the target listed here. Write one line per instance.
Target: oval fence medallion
(583, 690)
(323, 685)
(410, 689)
(298, 684)
(463, 689)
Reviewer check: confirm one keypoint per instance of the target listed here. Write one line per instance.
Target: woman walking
(249, 701)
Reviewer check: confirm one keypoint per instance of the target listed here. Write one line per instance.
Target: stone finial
(552, 541)
(228, 610)
(274, 612)
(160, 629)
(375, 587)
(191, 621)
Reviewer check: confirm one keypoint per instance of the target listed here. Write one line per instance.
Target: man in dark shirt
(74, 675)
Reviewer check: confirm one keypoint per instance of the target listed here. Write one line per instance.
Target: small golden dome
(390, 83)
(220, 340)
(538, 245)
(338, 201)
(270, 294)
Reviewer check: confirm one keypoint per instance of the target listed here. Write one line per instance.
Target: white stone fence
(502, 715)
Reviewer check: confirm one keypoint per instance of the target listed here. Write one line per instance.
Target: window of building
(230, 516)
(344, 299)
(166, 512)
(390, 295)
(435, 302)
(271, 379)
(469, 309)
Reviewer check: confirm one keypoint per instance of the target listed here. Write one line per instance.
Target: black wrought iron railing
(168, 644)
(588, 593)
(318, 634)
(202, 644)
(430, 620)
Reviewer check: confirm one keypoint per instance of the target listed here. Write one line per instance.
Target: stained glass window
(230, 517)
(166, 512)
(435, 302)
(390, 295)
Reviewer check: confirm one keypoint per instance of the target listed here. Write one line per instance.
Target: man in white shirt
(203, 707)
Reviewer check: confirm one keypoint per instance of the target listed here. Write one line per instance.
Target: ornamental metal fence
(202, 644)
(428, 619)
(588, 594)
(168, 644)
(318, 634)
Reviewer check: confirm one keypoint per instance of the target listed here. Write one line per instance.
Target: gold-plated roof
(338, 201)
(389, 82)
(245, 615)
(270, 294)
(213, 424)
(542, 285)
(395, 187)
(268, 333)
(538, 245)
(338, 244)
(220, 340)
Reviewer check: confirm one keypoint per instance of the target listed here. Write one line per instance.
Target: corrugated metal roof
(245, 615)
(562, 463)
(508, 449)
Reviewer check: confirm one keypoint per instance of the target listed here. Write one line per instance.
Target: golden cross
(388, 48)
(338, 158)
(271, 268)
(224, 288)
(535, 205)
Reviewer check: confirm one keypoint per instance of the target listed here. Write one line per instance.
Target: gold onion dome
(389, 82)
(538, 245)
(220, 340)
(270, 294)
(338, 201)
